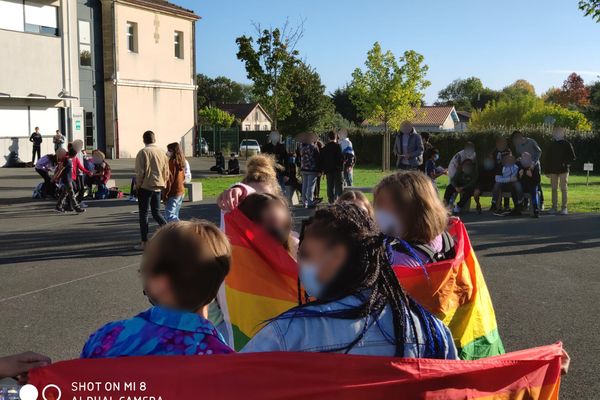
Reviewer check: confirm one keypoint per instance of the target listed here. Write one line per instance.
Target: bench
(193, 191)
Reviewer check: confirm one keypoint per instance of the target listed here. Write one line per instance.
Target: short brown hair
(149, 137)
(194, 255)
(424, 216)
(354, 197)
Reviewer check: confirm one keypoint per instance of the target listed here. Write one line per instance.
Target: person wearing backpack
(414, 220)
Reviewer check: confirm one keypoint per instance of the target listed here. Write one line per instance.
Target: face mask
(488, 164)
(308, 277)
(436, 157)
(469, 152)
(169, 154)
(387, 223)
(558, 136)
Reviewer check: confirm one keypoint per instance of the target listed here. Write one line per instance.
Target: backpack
(447, 252)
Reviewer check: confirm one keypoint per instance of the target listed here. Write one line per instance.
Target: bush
(367, 146)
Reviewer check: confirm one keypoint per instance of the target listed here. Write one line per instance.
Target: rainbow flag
(455, 291)
(262, 282)
(532, 374)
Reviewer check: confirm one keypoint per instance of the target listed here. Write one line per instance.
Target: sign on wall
(77, 125)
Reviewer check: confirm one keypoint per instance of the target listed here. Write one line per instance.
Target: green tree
(564, 117)
(388, 89)
(269, 61)
(461, 93)
(591, 8)
(214, 116)
(519, 88)
(311, 105)
(344, 105)
(592, 111)
(221, 90)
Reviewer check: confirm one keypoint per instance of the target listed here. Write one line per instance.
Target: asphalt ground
(63, 276)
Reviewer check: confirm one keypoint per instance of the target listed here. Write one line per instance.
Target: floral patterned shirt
(157, 331)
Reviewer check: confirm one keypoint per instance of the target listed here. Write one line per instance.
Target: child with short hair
(463, 182)
(182, 269)
(508, 181)
(431, 170)
(66, 175)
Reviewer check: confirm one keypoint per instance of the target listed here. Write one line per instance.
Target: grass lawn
(582, 198)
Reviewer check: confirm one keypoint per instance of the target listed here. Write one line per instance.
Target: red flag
(527, 374)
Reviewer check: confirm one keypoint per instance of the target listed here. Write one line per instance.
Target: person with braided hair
(357, 305)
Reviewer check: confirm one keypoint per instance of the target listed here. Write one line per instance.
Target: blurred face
(526, 160)
(386, 215)
(277, 221)
(509, 161)
(518, 139)
(158, 290)
(319, 262)
(61, 154)
(469, 151)
(558, 133)
(501, 144)
(274, 137)
(406, 127)
(467, 168)
(488, 164)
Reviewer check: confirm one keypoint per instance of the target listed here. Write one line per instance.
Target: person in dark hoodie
(529, 176)
(559, 157)
(463, 182)
(332, 162)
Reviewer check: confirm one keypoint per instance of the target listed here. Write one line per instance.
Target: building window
(265, 127)
(178, 44)
(28, 16)
(41, 19)
(256, 115)
(85, 44)
(247, 127)
(132, 37)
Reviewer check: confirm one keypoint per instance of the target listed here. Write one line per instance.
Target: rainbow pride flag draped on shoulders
(262, 282)
(455, 291)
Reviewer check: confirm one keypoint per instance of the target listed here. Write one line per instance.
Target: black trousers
(465, 195)
(148, 199)
(36, 150)
(334, 185)
(67, 195)
(49, 188)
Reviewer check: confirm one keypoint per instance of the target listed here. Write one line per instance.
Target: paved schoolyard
(62, 276)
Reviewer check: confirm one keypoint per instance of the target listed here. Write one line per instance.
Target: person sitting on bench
(509, 182)
(463, 182)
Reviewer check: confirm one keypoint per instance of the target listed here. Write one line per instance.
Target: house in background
(249, 116)
(433, 119)
(464, 117)
(102, 71)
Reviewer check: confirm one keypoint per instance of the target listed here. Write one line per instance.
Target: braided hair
(367, 273)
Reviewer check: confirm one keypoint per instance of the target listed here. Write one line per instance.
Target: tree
(485, 97)
(214, 116)
(563, 117)
(592, 111)
(344, 105)
(519, 88)
(269, 61)
(591, 8)
(310, 104)
(388, 89)
(574, 93)
(461, 93)
(221, 90)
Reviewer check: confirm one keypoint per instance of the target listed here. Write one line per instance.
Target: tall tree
(574, 93)
(387, 89)
(461, 93)
(311, 106)
(214, 116)
(220, 90)
(344, 105)
(591, 8)
(592, 111)
(519, 88)
(269, 61)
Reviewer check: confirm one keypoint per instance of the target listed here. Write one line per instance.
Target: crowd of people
(499, 172)
(345, 255)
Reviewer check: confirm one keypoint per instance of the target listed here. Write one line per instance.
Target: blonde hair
(358, 198)
(261, 169)
(424, 216)
(194, 255)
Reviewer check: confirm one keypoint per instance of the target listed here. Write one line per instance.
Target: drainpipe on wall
(115, 75)
(196, 145)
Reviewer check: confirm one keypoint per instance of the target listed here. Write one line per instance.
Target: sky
(541, 41)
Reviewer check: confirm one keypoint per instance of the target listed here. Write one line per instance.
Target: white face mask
(169, 154)
(309, 277)
(274, 138)
(388, 223)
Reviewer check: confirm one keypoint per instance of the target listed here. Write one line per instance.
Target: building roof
(464, 116)
(241, 110)
(163, 5)
(431, 115)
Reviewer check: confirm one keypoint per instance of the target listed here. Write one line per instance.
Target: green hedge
(367, 146)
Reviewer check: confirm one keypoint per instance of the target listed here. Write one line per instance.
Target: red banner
(527, 374)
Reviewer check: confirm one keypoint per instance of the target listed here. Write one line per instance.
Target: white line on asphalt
(66, 283)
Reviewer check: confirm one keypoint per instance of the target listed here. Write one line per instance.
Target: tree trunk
(385, 151)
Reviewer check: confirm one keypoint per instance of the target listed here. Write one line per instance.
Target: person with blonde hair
(260, 177)
(182, 270)
(410, 213)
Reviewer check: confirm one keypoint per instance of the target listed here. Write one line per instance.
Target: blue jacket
(323, 334)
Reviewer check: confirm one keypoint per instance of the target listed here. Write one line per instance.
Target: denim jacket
(323, 334)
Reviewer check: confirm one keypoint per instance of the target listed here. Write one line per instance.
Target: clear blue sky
(500, 41)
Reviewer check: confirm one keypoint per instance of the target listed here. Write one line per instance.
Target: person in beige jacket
(152, 174)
